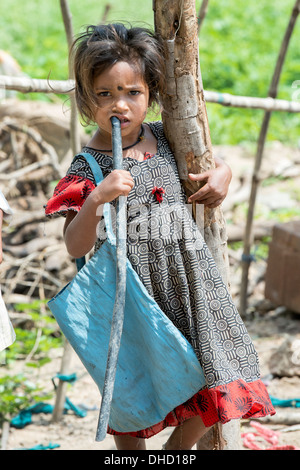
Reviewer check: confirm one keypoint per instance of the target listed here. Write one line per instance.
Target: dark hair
(100, 47)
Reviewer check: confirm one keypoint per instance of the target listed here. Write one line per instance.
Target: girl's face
(122, 92)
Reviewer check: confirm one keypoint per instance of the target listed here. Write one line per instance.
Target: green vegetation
(260, 249)
(32, 345)
(17, 393)
(40, 339)
(239, 43)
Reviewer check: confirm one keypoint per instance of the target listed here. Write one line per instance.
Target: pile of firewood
(34, 154)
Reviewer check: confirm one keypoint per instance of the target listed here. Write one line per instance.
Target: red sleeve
(69, 194)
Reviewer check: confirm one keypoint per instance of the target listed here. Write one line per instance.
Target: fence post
(246, 257)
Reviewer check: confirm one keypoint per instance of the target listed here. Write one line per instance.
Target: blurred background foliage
(239, 44)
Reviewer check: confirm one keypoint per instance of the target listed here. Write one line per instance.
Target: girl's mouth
(124, 122)
(122, 119)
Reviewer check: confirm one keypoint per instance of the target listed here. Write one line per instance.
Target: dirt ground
(74, 433)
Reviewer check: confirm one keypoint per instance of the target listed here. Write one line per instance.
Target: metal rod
(118, 312)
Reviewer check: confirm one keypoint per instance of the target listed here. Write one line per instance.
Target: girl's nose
(120, 105)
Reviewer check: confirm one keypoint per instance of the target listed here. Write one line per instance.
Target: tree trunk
(184, 111)
(186, 128)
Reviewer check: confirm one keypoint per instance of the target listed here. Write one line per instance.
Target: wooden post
(246, 258)
(74, 123)
(75, 146)
(202, 13)
(62, 385)
(184, 111)
(186, 128)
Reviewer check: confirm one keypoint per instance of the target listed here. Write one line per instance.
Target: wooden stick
(75, 145)
(107, 9)
(5, 434)
(23, 171)
(119, 305)
(9, 124)
(287, 416)
(62, 385)
(249, 102)
(32, 85)
(202, 13)
(246, 258)
(74, 123)
(36, 85)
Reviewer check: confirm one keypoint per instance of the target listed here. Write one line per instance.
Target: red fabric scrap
(158, 192)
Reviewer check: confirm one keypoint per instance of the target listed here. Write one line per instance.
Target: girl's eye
(103, 93)
(134, 92)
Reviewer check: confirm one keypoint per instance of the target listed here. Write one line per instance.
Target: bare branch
(36, 85)
(32, 85)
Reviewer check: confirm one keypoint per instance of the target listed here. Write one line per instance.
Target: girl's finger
(199, 176)
(201, 194)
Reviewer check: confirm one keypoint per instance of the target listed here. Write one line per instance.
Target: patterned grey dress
(167, 250)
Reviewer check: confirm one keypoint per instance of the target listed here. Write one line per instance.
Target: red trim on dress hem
(235, 400)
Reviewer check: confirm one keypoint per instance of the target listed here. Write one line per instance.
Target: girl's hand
(216, 185)
(117, 183)
(80, 229)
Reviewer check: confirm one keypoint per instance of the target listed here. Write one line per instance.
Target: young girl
(7, 334)
(119, 72)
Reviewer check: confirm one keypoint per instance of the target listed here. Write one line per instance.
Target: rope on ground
(25, 416)
(262, 432)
